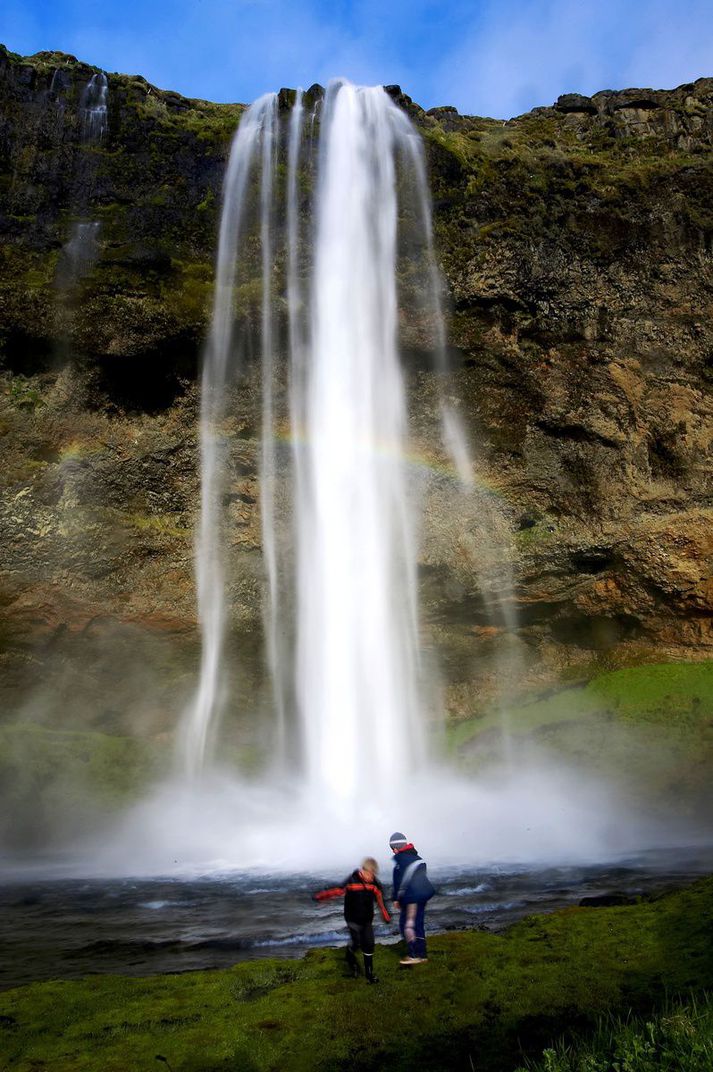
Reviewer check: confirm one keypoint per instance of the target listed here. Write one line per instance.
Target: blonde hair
(370, 864)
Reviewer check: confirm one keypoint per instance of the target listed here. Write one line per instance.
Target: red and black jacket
(359, 896)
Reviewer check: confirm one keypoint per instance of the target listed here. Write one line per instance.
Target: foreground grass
(677, 1039)
(484, 1001)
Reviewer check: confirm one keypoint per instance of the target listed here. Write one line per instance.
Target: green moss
(162, 524)
(208, 203)
(483, 1001)
(188, 291)
(650, 727)
(676, 696)
(42, 768)
(24, 394)
(680, 692)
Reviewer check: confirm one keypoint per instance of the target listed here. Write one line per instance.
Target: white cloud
(525, 54)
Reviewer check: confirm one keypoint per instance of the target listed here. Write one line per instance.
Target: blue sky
(487, 57)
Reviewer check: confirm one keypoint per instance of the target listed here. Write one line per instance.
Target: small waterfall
(94, 109)
(81, 250)
(268, 459)
(499, 589)
(297, 345)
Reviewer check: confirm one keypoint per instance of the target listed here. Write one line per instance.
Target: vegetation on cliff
(647, 727)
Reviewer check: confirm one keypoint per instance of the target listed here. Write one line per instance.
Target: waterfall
(357, 632)
(297, 345)
(345, 661)
(94, 108)
(81, 250)
(268, 460)
(219, 370)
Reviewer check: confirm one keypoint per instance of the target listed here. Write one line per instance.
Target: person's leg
(367, 945)
(420, 931)
(352, 948)
(409, 929)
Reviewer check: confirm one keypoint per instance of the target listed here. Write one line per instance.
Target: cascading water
(357, 624)
(94, 108)
(82, 248)
(80, 252)
(354, 670)
(218, 371)
(321, 236)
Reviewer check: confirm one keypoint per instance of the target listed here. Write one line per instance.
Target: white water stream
(353, 667)
(218, 370)
(81, 251)
(94, 108)
(357, 647)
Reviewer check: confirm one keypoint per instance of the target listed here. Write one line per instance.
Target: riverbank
(484, 1001)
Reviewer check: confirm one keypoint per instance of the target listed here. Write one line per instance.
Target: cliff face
(577, 246)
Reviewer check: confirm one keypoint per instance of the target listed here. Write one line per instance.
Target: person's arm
(379, 896)
(326, 895)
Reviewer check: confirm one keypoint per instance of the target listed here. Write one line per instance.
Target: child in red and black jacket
(359, 891)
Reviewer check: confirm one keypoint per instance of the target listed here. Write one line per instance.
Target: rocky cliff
(577, 246)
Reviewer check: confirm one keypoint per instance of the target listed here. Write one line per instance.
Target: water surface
(66, 928)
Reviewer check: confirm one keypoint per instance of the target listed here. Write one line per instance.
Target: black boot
(369, 968)
(352, 963)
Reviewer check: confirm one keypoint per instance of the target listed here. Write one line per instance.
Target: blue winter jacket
(411, 883)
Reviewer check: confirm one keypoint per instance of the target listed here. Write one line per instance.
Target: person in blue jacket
(411, 893)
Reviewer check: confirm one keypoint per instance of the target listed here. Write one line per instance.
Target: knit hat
(398, 840)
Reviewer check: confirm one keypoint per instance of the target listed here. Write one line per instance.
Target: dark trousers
(361, 936)
(412, 924)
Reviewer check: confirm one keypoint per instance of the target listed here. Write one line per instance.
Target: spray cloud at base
(542, 815)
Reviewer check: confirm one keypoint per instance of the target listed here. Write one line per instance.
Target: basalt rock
(577, 247)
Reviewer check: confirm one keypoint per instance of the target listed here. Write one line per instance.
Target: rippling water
(54, 928)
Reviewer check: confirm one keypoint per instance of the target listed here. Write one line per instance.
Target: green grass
(649, 728)
(47, 776)
(483, 1001)
(675, 696)
(677, 1039)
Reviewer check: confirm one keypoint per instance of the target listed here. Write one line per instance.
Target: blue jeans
(412, 924)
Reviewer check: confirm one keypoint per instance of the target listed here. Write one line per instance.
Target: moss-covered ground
(484, 1001)
(677, 695)
(652, 725)
(113, 768)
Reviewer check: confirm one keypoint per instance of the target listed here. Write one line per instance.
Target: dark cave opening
(147, 382)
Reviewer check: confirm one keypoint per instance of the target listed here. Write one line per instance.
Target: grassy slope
(485, 997)
(652, 725)
(677, 696)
